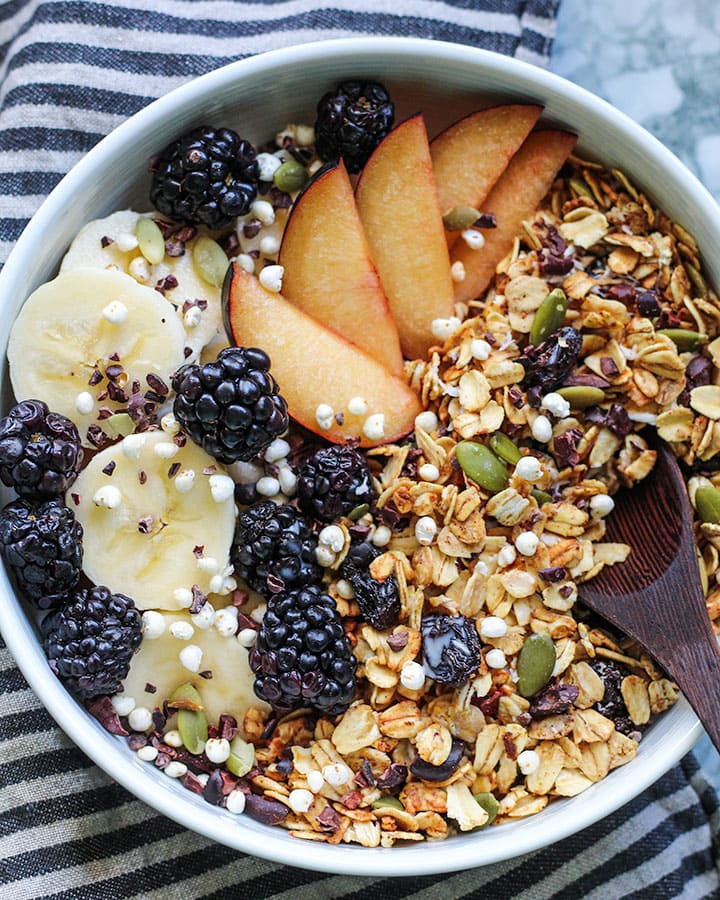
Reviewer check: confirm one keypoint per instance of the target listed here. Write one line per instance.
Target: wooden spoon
(655, 596)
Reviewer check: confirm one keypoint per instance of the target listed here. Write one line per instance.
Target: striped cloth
(66, 830)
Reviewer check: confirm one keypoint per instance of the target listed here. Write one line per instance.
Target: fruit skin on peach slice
(314, 365)
(328, 270)
(399, 209)
(470, 156)
(515, 197)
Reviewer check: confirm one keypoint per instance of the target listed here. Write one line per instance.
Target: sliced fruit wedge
(82, 322)
(157, 663)
(328, 270)
(470, 156)
(108, 243)
(399, 209)
(515, 197)
(315, 367)
(152, 529)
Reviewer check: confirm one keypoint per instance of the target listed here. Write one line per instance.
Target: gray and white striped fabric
(69, 73)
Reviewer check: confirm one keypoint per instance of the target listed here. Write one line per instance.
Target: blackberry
(451, 648)
(333, 482)
(302, 656)
(90, 641)
(231, 407)
(207, 177)
(274, 549)
(40, 452)
(41, 544)
(351, 122)
(379, 601)
(612, 705)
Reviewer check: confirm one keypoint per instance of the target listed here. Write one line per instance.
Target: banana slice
(81, 323)
(112, 242)
(158, 520)
(158, 663)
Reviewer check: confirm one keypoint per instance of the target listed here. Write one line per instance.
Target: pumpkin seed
(460, 217)
(580, 396)
(541, 496)
(479, 463)
(290, 176)
(358, 512)
(489, 804)
(150, 240)
(191, 720)
(384, 802)
(210, 261)
(683, 339)
(502, 446)
(549, 316)
(535, 664)
(707, 504)
(119, 425)
(242, 757)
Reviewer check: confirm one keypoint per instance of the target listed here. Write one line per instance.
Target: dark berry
(648, 304)
(351, 122)
(41, 544)
(89, 642)
(451, 648)
(274, 549)
(231, 407)
(379, 601)
(547, 364)
(40, 452)
(612, 705)
(302, 656)
(207, 177)
(333, 482)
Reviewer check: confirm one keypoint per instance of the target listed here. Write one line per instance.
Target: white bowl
(257, 97)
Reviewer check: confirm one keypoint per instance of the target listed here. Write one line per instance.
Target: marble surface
(658, 61)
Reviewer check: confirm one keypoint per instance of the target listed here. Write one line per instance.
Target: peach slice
(470, 156)
(515, 197)
(316, 366)
(399, 209)
(328, 270)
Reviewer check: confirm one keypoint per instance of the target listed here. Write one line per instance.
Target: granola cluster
(416, 759)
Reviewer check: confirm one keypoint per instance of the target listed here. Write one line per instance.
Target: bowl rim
(457, 853)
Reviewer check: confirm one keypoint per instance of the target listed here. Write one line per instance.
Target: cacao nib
(648, 304)
(228, 727)
(516, 397)
(365, 778)
(488, 705)
(618, 421)
(198, 600)
(159, 719)
(553, 699)
(608, 366)
(668, 319)
(556, 265)
(697, 374)
(102, 709)
(622, 292)
(398, 641)
(285, 766)
(270, 812)
(212, 791)
(192, 783)
(351, 800)
(586, 379)
(565, 448)
(393, 778)
(486, 220)
(554, 573)
(136, 741)
(547, 365)
(328, 820)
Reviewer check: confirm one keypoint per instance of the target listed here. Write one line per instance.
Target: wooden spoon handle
(696, 670)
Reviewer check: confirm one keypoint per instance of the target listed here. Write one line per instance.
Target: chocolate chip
(109, 468)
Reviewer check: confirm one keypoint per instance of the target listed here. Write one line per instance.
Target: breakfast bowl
(258, 97)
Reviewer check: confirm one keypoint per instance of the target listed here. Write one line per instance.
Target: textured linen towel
(69, 73)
